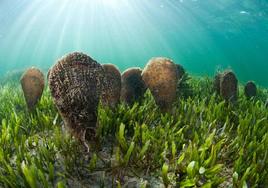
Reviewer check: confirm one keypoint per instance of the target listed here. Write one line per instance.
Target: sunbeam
(129, 33)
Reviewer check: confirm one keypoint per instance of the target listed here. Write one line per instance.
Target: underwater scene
(134, 93)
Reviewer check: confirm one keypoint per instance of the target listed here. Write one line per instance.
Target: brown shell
(250, 89)
(75, 82)
(161, 76)
(112, 86)
(32, 83)
(133, 87)
(228, 86)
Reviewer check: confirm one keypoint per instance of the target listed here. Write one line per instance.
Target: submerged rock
(75, 82)
(228, 86)
(133, 87)
(112, 86)
(32, 83)
(250, 89)
(161, 76)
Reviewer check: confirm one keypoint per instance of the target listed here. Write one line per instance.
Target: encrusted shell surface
(161, 76)
(133, 87)
(32, 83)
(250, 89)
(228, 86)
(112, 86)
(75, 82)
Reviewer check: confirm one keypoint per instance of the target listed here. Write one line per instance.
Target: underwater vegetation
(206, 139)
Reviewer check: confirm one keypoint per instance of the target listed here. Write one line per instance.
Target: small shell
(161, 76)
(112, 86)
(228, 86)
(32, 83)
(250, 89)
(75, 82)
(133, 87)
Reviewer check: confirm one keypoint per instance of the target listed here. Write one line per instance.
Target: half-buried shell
(229, 86)
(161, 76)
(250, 89)
(112, 86)
(75, 82)
(32, 83)
(133, 87)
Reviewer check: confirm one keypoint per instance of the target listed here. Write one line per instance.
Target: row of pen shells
(77, 83)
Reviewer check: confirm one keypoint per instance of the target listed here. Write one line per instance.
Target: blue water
(203, 36)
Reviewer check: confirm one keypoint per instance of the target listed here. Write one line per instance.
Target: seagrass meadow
(133, 93)
(203, 142)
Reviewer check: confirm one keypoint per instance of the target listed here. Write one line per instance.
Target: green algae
(203, 142)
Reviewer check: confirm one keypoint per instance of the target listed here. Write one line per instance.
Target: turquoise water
(203, 36)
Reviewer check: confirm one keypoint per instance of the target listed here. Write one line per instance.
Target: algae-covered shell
(250, 89)
(112, 86)
(161, 76)
(32, 83)
(133, 87)
(75, 82)
(228, 86)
